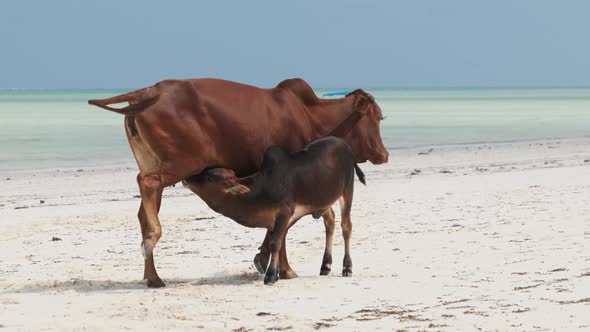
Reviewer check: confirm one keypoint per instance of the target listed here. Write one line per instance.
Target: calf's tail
(138, 101)
(359, 173)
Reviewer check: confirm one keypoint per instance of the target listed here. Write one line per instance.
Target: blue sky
(453, 43)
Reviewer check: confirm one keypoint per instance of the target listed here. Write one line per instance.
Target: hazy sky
(463, 43)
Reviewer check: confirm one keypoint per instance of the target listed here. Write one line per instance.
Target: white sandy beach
(481, 237)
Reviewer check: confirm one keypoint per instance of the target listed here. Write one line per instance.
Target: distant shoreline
(125, 163)
(366, 87)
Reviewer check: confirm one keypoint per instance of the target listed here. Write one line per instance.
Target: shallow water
(57, 128)
(422, 117)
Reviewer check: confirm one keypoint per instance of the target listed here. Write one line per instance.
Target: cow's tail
(138, 101)
(359, 173)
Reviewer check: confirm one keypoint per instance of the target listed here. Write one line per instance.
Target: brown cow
(286, 188)
(177, 128)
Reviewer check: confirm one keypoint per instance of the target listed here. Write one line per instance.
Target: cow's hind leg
(329, 222)
(345, 206)
(151, 188)
(149, 267)
(285, 270)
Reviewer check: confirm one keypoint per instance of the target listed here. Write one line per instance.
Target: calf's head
(365, 136)
(215, 182)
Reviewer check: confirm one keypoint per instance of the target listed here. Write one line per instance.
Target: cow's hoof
(289, 274)
(325, 271)
(155, 283)
(260, 263)
(347, 272)
(271, 278)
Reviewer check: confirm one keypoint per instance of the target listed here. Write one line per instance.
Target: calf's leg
(276, 242)
(261, 258)
(329, 222)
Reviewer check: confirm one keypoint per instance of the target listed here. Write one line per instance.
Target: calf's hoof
(155, 283)
(261, 262)
(326, 265)
(270, 278)
(289, 274)
(347, 272)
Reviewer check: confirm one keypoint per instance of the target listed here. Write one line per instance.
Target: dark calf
(287, 187)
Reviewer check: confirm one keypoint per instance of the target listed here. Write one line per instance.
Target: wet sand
(464, 237)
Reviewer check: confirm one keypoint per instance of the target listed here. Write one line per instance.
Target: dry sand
(481, 237)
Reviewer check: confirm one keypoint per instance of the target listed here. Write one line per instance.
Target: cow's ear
(362, 101)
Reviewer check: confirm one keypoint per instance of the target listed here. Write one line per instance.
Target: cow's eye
(382, 117)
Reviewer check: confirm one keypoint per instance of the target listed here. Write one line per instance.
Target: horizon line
(454, 87)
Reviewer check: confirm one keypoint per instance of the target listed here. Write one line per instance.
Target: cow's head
(365, 136)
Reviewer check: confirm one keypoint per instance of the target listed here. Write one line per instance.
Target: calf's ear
(238, 189)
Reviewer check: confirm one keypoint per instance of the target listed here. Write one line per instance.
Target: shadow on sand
(230, 279)
(85, 285)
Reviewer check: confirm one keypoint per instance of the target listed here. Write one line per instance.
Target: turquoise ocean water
(45, 129)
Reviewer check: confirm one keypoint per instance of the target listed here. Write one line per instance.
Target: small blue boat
(336, 93)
